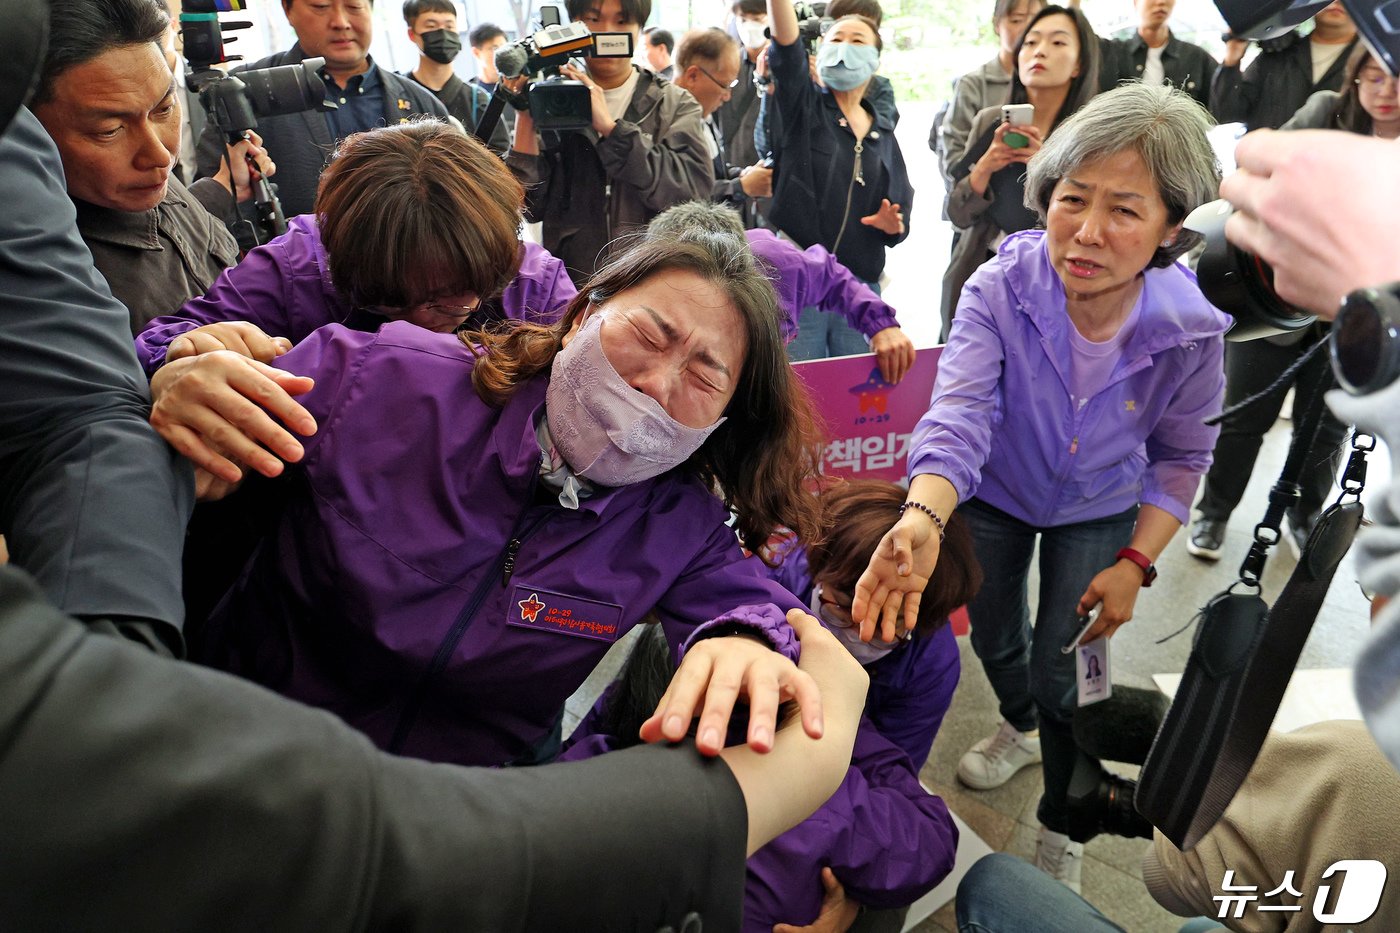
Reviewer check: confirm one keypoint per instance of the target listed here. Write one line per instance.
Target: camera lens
(1366, 341)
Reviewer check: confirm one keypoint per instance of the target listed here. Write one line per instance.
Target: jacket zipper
(505, 564)
(857, 175)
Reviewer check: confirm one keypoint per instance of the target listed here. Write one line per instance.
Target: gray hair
(696, 217)
(1165, 126)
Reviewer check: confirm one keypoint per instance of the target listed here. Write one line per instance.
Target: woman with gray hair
(1069, 407)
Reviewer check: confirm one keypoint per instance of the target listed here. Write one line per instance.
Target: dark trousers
(1034, 682)
(1249, 368)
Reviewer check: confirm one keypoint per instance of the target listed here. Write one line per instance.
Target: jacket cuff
(766, 622)
(1158, 884)
(963, 484)
(877, 323)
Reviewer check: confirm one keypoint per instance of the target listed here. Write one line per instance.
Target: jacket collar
(133, 229)
(1136, 43)
(993, 73)
(1179, 314)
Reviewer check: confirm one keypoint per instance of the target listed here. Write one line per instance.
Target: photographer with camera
(432, 26)
(1366, 105)
(107, 98)
(1288, 69)
(644, 152)
(365, 96)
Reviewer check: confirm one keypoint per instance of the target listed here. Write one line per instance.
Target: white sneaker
(1059, 858)
(992, 761)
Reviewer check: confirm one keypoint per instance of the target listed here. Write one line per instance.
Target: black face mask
(441, 45)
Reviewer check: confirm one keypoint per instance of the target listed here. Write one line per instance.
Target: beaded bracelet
(938, 522)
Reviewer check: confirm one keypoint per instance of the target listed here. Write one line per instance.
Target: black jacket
(588, 191)
(466, 103)
(816, 197)
(1188, 67)
(141, 793)
(301, 143)
(1276, 84)
(92, 501)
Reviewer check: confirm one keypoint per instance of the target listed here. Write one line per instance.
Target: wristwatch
(1149, 569)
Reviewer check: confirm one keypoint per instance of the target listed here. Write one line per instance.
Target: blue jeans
(821, 334)
(1034, 682)
(1003, 894)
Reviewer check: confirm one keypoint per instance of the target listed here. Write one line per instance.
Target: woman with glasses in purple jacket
(1069, 410)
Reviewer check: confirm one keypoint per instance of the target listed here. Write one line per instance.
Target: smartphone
(1088, 623)
(1017, 115)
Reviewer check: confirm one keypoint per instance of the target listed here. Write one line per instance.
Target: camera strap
(1244, 653)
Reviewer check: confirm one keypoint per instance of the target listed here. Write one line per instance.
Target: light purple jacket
(1004, 428)
(813, 278)
(421, 586)
(285, 288)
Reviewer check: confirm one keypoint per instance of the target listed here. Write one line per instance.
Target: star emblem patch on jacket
(530, 608)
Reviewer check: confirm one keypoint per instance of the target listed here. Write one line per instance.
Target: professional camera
(556, 102)
(1377, 21)
(234, 102)
(812, 23)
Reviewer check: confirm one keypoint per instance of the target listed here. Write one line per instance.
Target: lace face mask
(607, 431)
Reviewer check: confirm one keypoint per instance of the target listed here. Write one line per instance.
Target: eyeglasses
(718, 83)
(832, 612)
(446, 313)
(1375, 81)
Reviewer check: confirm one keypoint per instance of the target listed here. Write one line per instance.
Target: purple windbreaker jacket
(284, 287)
(813, 278)
(1004, 428)
(418, 583)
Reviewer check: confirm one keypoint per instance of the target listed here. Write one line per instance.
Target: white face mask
(607, 431)
(866, 652)
(751, 33)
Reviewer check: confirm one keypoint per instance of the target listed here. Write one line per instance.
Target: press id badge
(1091, 671)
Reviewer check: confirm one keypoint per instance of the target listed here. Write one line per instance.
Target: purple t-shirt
(1091, 363)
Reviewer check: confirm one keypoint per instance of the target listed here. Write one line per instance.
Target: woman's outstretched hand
(714, 674)
(888, 593)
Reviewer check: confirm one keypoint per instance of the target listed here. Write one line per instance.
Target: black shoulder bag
(1244, 653)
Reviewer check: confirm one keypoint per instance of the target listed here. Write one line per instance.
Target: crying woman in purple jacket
(469, 525)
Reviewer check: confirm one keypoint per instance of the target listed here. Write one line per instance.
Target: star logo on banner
(530, 608)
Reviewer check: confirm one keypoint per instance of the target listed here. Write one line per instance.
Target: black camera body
(234, 102)
(555, 102)
(812, 23)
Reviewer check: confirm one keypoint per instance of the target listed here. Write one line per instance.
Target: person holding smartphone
(1057, 65)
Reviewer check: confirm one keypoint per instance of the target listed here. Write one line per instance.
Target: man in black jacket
(1288, 70)
(365, 95)
(432, 25)
(1155, 56)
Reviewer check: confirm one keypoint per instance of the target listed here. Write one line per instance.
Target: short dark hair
(856, 514)
(414, 211)
(1004, 8)
(870, 9)
(81, 30)
(750, 6)
(287, 4)
(710, 45)
(484, 34)
(658, 36)
(412, 9)
(636, 11)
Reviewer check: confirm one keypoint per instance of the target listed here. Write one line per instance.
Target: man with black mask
(432, 25)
